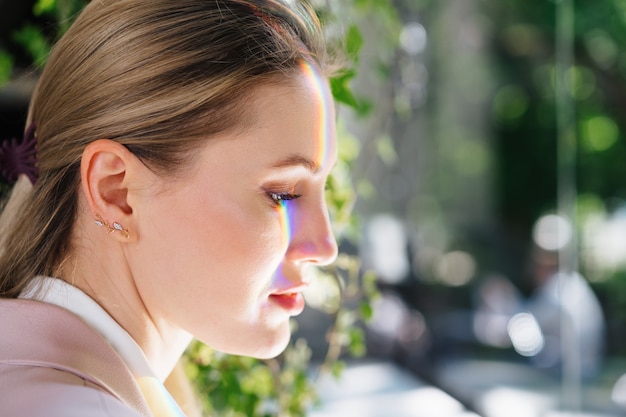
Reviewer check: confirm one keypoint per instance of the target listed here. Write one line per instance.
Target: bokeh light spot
(552, 232)
(525, 334)
(510, 103)
(456, 268)
(413, 38)
(599, 133)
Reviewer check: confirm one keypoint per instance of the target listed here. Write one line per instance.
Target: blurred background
(490, 172)
(491, 180)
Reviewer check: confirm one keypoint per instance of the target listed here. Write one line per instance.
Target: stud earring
(110, 228)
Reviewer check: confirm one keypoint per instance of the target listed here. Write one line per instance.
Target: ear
(106, 169)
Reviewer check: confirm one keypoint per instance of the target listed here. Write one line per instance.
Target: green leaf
(337, 369)
(34, 41)
(366, 310)
(258, 382)
(354, 42)
(370, 284)
(386, 150)
(44, 6)
(6, 67)
(341, 90)
(356, 346)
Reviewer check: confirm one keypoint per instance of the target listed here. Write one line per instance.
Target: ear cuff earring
(110, 228)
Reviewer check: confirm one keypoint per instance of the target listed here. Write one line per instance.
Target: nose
(312, 239)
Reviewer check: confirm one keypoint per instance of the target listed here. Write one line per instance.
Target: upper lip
(291, 289)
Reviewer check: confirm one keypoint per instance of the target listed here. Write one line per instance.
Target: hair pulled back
(158, 76)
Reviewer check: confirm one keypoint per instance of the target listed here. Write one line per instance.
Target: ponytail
(19, 194)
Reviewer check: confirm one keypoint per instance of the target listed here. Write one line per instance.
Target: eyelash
(278, 198)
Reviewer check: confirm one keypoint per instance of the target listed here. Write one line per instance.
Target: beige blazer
(52, 364)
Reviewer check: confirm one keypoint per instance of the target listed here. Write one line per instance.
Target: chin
(270, 352)
(264, 346)
(272, 346)
(259, 344)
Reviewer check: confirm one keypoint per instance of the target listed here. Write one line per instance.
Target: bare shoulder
(34, 391)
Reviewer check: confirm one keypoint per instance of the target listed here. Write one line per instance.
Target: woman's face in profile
(224, 250)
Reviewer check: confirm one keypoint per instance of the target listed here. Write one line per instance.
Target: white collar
(60, 293)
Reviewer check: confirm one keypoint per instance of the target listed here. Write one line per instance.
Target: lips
(293, 303)
(290, 299)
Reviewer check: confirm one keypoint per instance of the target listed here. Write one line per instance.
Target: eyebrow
(297, 160)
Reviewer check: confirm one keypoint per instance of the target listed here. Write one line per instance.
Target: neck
(110, 283)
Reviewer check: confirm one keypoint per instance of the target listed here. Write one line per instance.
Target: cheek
(223, 243)
(239, 237)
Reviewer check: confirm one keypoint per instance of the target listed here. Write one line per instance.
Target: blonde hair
(158, 76)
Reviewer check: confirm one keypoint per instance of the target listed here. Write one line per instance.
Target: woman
(182, 152)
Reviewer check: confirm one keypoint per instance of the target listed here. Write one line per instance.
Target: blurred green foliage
(6, 66)
(34, 42)
(525, 119)
(524, 110)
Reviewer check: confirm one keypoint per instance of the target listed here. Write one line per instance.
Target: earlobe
(104, 182)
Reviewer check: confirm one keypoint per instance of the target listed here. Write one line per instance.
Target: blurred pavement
(382, 389)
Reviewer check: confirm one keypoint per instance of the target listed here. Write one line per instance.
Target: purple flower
(19, 157)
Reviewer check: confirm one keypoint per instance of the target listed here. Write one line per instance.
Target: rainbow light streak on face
(323, 135)
(325, 131)
(285, 210)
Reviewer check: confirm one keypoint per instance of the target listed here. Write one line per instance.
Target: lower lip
(292, 303)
